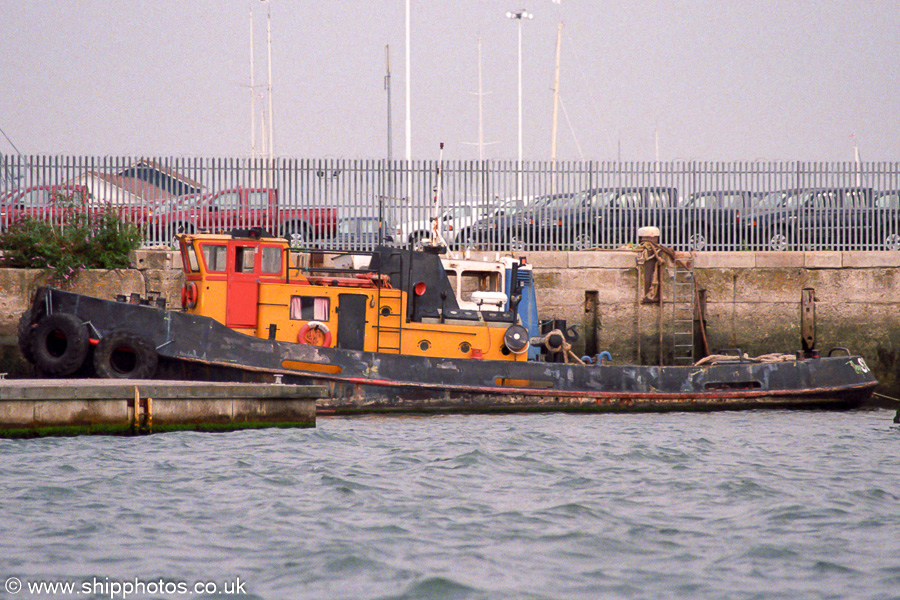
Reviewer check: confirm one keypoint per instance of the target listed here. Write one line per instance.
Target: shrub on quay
(82, 239)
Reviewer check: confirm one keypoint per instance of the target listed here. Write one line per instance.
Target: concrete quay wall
(752, 301)
(52, 407)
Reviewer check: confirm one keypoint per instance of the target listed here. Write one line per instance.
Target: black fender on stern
(60, 344)
(25, 335)
(125, 355)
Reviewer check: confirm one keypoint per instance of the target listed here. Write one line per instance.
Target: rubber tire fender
(25, 335)
(60, 344)
(125, 355)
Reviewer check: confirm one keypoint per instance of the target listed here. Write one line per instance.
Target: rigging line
(571, 129)
(10, 142)
(7, 172)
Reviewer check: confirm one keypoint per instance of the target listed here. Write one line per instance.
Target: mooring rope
(649, 250)
(764, 358)
(886, 397)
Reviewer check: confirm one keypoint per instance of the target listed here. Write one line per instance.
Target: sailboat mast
(480, 108)
(408, 109)
(408, 124)
(387, 86)
(271, 110)
(252, 93)
(555, 127)
(556, 94)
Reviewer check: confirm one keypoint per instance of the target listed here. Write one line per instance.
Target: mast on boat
(436, 238)
(390, 150)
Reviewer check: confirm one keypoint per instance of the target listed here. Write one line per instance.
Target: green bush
(84, 239)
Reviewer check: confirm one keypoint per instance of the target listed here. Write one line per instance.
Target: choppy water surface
(753, 504)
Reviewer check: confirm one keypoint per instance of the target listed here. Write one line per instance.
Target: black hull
(199, 348)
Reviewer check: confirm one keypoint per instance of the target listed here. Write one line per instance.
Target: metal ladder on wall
(389, 321)
(683, 295)
(389, 316)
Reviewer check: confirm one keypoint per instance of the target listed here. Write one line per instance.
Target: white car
(453, 220)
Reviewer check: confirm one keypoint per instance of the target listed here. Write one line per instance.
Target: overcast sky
(710, 80)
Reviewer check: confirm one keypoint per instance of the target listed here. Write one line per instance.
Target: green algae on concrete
(131, 430)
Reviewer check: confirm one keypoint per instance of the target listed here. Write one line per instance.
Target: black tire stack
(59, 345)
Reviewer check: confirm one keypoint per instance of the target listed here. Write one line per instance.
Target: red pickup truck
(57, 203)
(242, 207)
(44, 202)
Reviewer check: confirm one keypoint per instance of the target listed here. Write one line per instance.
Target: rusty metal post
(808, 321)
(700, 323)
(591, 322)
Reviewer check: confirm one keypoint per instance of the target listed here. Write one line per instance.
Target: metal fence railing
(354, 204)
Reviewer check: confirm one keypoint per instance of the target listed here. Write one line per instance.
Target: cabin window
(479, 282)
(244, 259)
(307, 308)
(271, 259)
(214, 257)
(467, 282)
(190, 260)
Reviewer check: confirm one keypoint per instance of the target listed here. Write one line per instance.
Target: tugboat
(394, 334)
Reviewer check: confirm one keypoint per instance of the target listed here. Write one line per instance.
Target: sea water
(756, 504)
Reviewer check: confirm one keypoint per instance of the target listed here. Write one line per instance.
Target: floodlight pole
(518, 16)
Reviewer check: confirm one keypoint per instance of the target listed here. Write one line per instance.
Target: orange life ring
(314, 333)
(189, 295)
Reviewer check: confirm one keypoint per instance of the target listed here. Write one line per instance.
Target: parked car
(362, 233)
(44, 202)
(550, 224)
(478, 232)
(886, 221)
(522, 226)
(710, 220)
(502, 227)
(609, 217)
(810, 219)
(242, 207)
(453, 219)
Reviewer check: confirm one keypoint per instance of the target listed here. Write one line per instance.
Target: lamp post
(519, 16)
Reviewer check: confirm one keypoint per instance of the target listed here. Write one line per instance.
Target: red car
(240, 208)
(45, 202)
